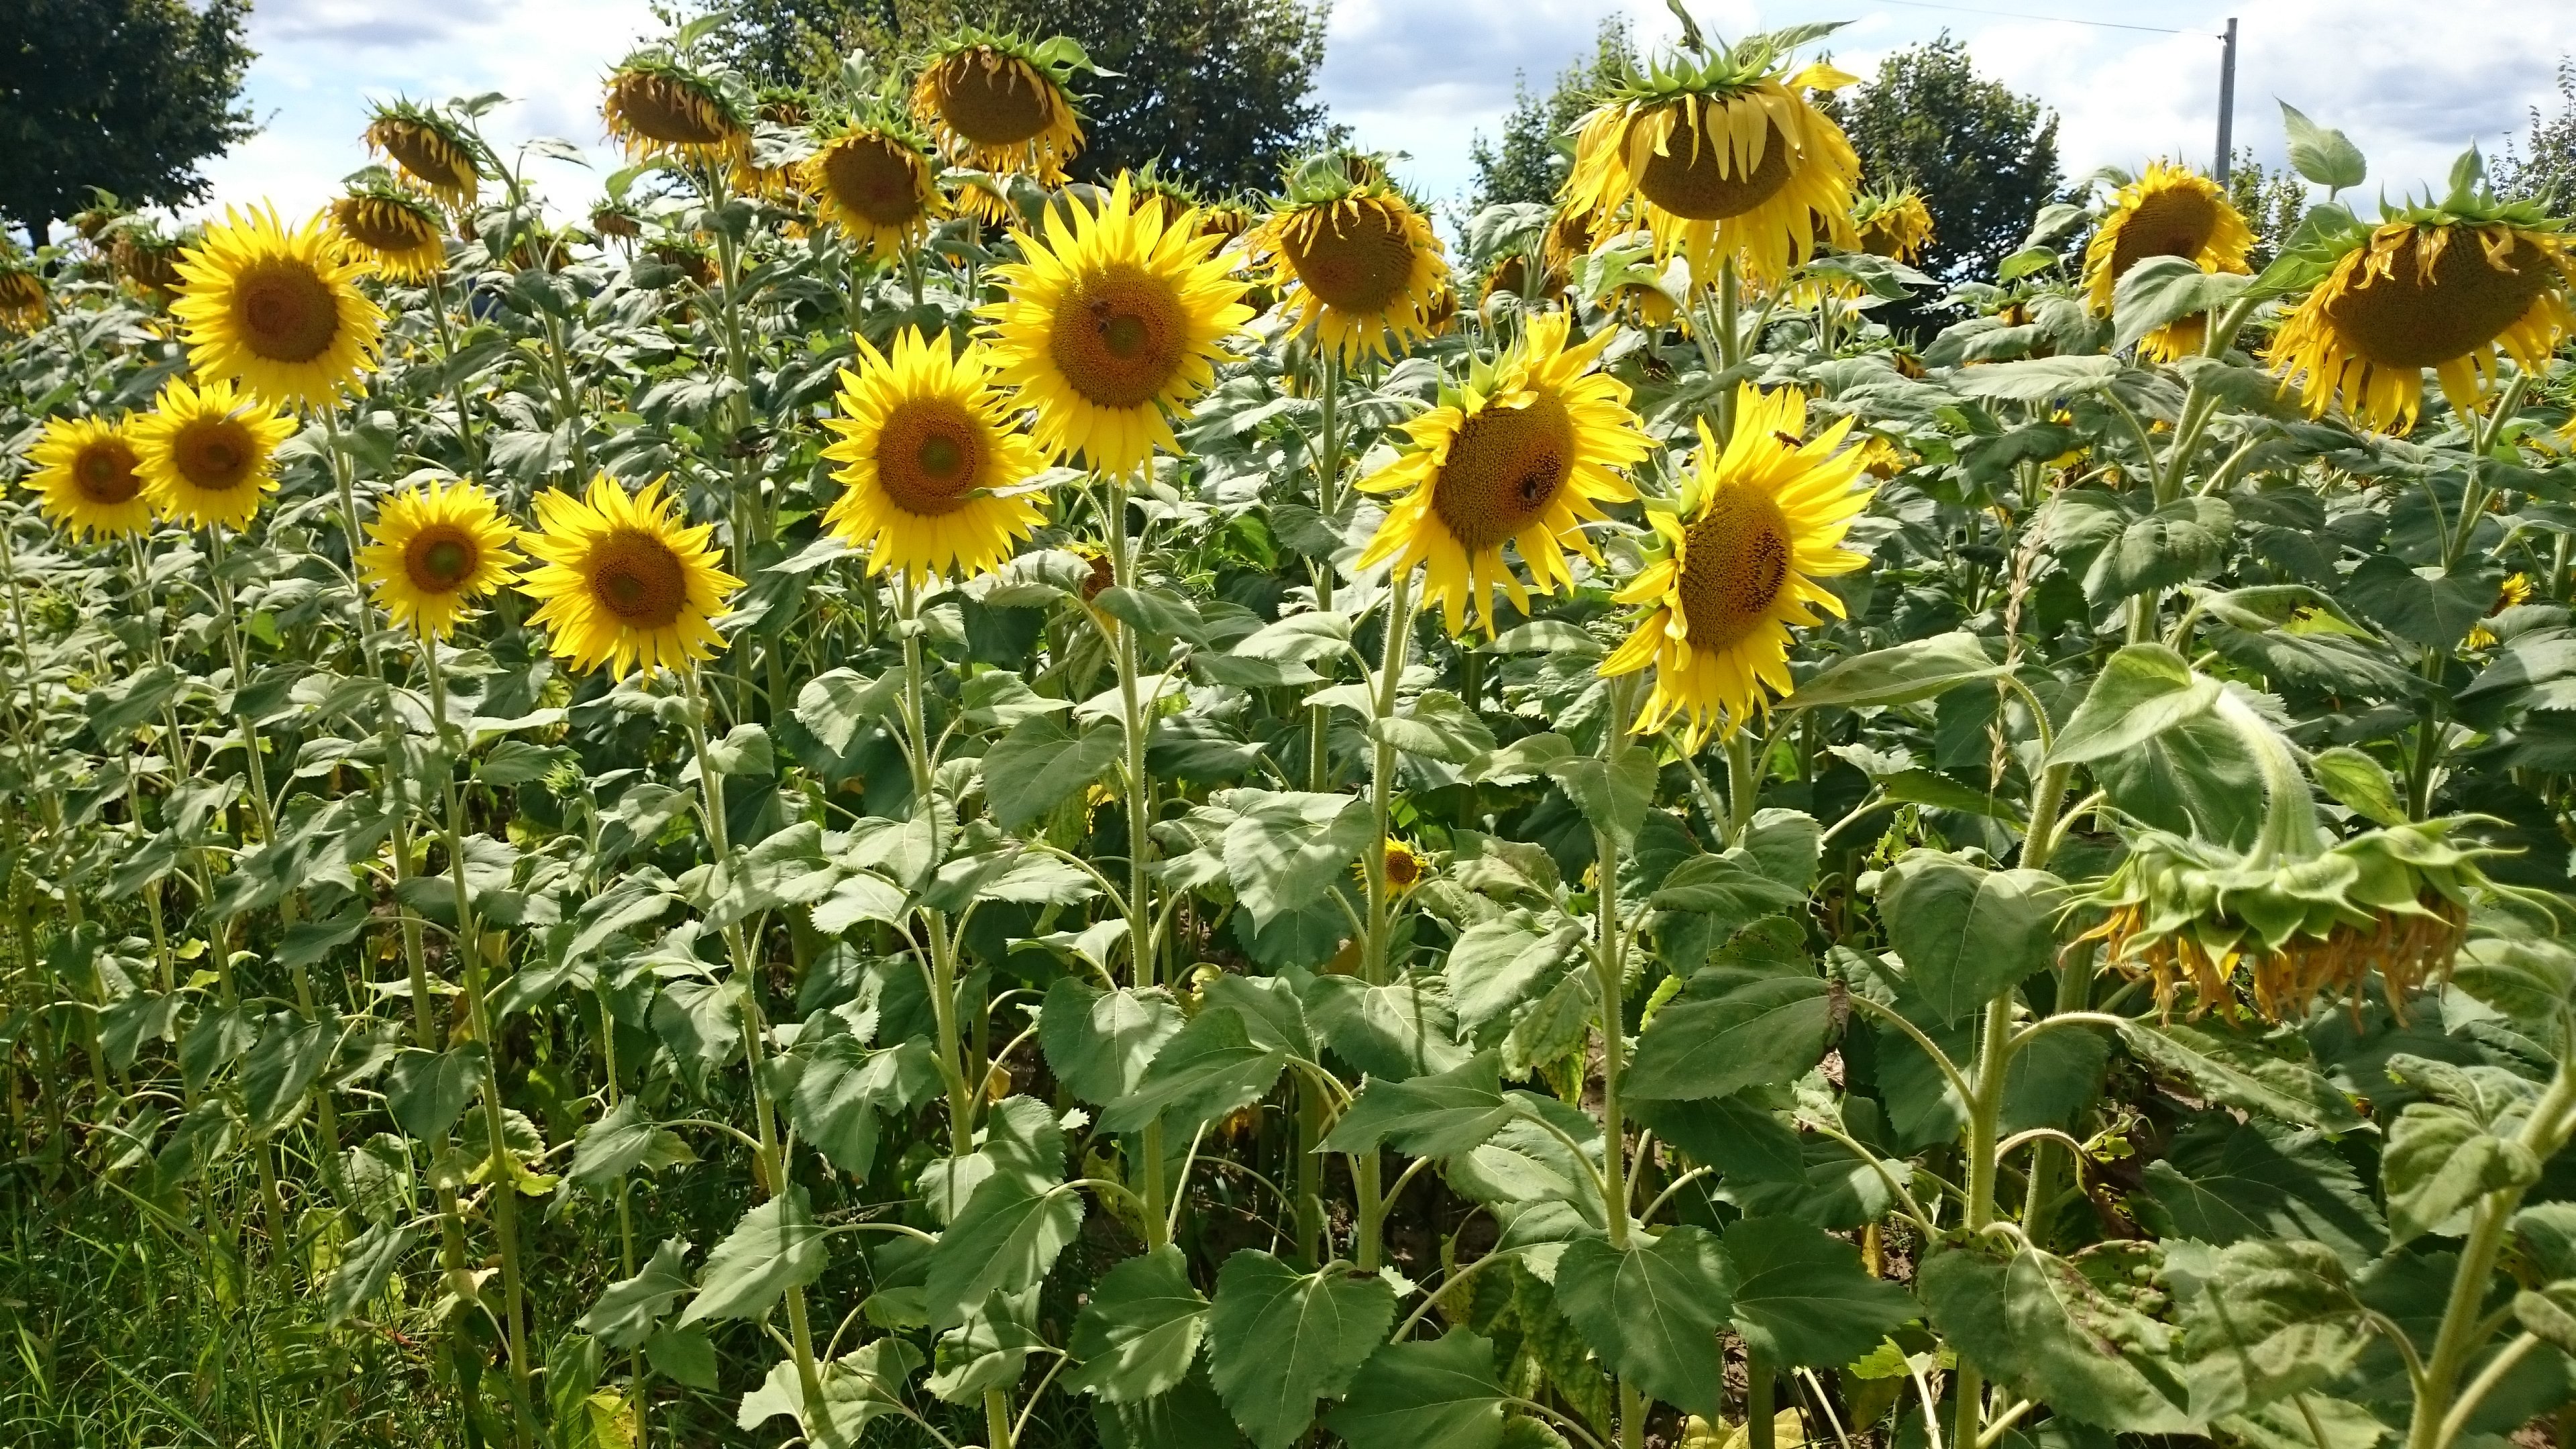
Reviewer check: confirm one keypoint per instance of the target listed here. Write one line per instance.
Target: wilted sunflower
(1725, 157)
(658, 107)
(278, 309)
(1524, 454)
(87, 478)
(2440, 288)
(876, 185)
(398, 232)
(145, 257)
(1362, 259)
(22, 295)
(616, 219)
(996, 103)
(2171, 211)
(209, 452)
(1113, 320)
(932, 471)
(1761, 520)
(1893, 224)
(436, 550)
(430, 148)
(622, 582)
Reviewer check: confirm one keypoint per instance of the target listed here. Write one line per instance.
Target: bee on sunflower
(278, 309)
(1113, 321)
(2171, 211)
(88, 478)
(393, 228)
(1723, 157)
(1524, 454)
(932, 469)
(876, 181)
(656, 106)
(2445, 287)
(430, 148)
(622, 582)
(433, 552)
(1761, 520)
(208, 452)
(1357, 260)
(1000, 104)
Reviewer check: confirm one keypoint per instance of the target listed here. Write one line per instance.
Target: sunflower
(2172, 211)
(278, 309)
(1364, 263)
(2427, 289)
(431, 149)
(87, 478)
(2515, 592)
(22, 295)
(931, 466)
(1113, 319)
(1761, 520)
(209, 452)
(1725, 158)
(143, 256)
(622, 582)
(655, 107)
(1893, 224)
(398, 232)
(995, 103)
(876, 185)
(436, 550)
(1523, 455)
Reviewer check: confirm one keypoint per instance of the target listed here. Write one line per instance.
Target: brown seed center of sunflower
(285, 311)
(104, 473)
(871, 177)
(1354, 259)
(1402, 869)
(1697, 175)
(214, 454)
(991, 99)
(661, 109)
(2406, 318)
(930, 456)
(1735, 562)
(2176, 222)
(637, 577)
(1504, 468)
(1119, 337)
(440, 558)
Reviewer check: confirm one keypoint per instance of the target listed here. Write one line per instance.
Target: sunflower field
(875, 798)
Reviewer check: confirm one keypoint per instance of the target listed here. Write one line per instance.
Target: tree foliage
(1983, 156)
(123, 95)
(2543, 167)
(1531, 161)
(2271, 201)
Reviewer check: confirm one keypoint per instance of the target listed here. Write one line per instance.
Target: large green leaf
(427, 1090)
(625, 1139)
(628, 1308)
(1400, 1030)
(2261, 1321)
(2067, 1332)
(2440, 1160)
(1652, 1311)
(1207, 1069)
(2241, 1073)
(1041, 763)
(776, 1246)
(1439, 1393)
(1005, 1240)
(858, 1387)
(1908, 673)
(1968, 934)
(1801, 1298)
(1730, 1031)
(1286, 848)
(1278, 1340)
(2427, 606)
(843, 1088)
(2224, 1182)
(1136, 1336)
(2145, 690)
(365, 1267)
(1099, 1043)
(1436, 1116)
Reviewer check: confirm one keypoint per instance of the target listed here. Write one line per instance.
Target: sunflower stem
(1328, 472)
(1138, 790)
(1611, 968)
(1399, 629)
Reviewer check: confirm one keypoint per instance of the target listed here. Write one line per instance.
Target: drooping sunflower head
(1894, 224)
(1113, 319)
(876, 183)
(278, 309)
(209, 452)
(2171, 211)
(614, 217)
(1000, 104)
(621, 582)
(2445, 288)
(393, 228)
(1722, 156)
(1359, 262)
(434, 551)
(1761, 520)
(147, 257)
(1226, 220)
(656, 106)
(934, 476)
(429, 146)
(1523, 455)
(22, 294)
(88, 478)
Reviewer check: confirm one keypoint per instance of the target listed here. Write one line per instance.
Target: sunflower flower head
(208, 453)
(2171, 211)
(88, 478)
(393, 228)
(278, 309)
(433, 551)
(147, 257)
(621, 582)
(657, 107)
(1357, 260)
(1761, 521)
(432, 150)
(877, 183)
(998, 103)
(1893, 223)
(22, 294)
(934, 476)
(1522, 455)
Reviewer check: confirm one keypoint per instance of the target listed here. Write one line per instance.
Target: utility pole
(2226, 102)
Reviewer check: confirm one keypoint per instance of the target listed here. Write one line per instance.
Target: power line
(2051, 19)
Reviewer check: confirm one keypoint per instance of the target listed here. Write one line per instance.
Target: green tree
(2270, 201)
(123, 95)
(2547, 174)
(1984, 157)
(1531, 161)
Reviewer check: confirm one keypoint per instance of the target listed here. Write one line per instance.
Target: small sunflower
(209, 452)
(145, 257)
(278, 309)
(932, 470)
(995, 103)
(1364, 264)
(1893, 224)
(1523, 455)
(657, 107)
(87, 478)
(622, 582)
(1722, 158)
(2515, 592)
(431, 149)
(22, 295)
(2428, 289)
(1112, 321)
(2171, 211)
(396, 231)
(877, 185)
(1404, 865)
(1761, 520)
(435, 551)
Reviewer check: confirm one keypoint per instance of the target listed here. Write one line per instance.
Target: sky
(1423, 77)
